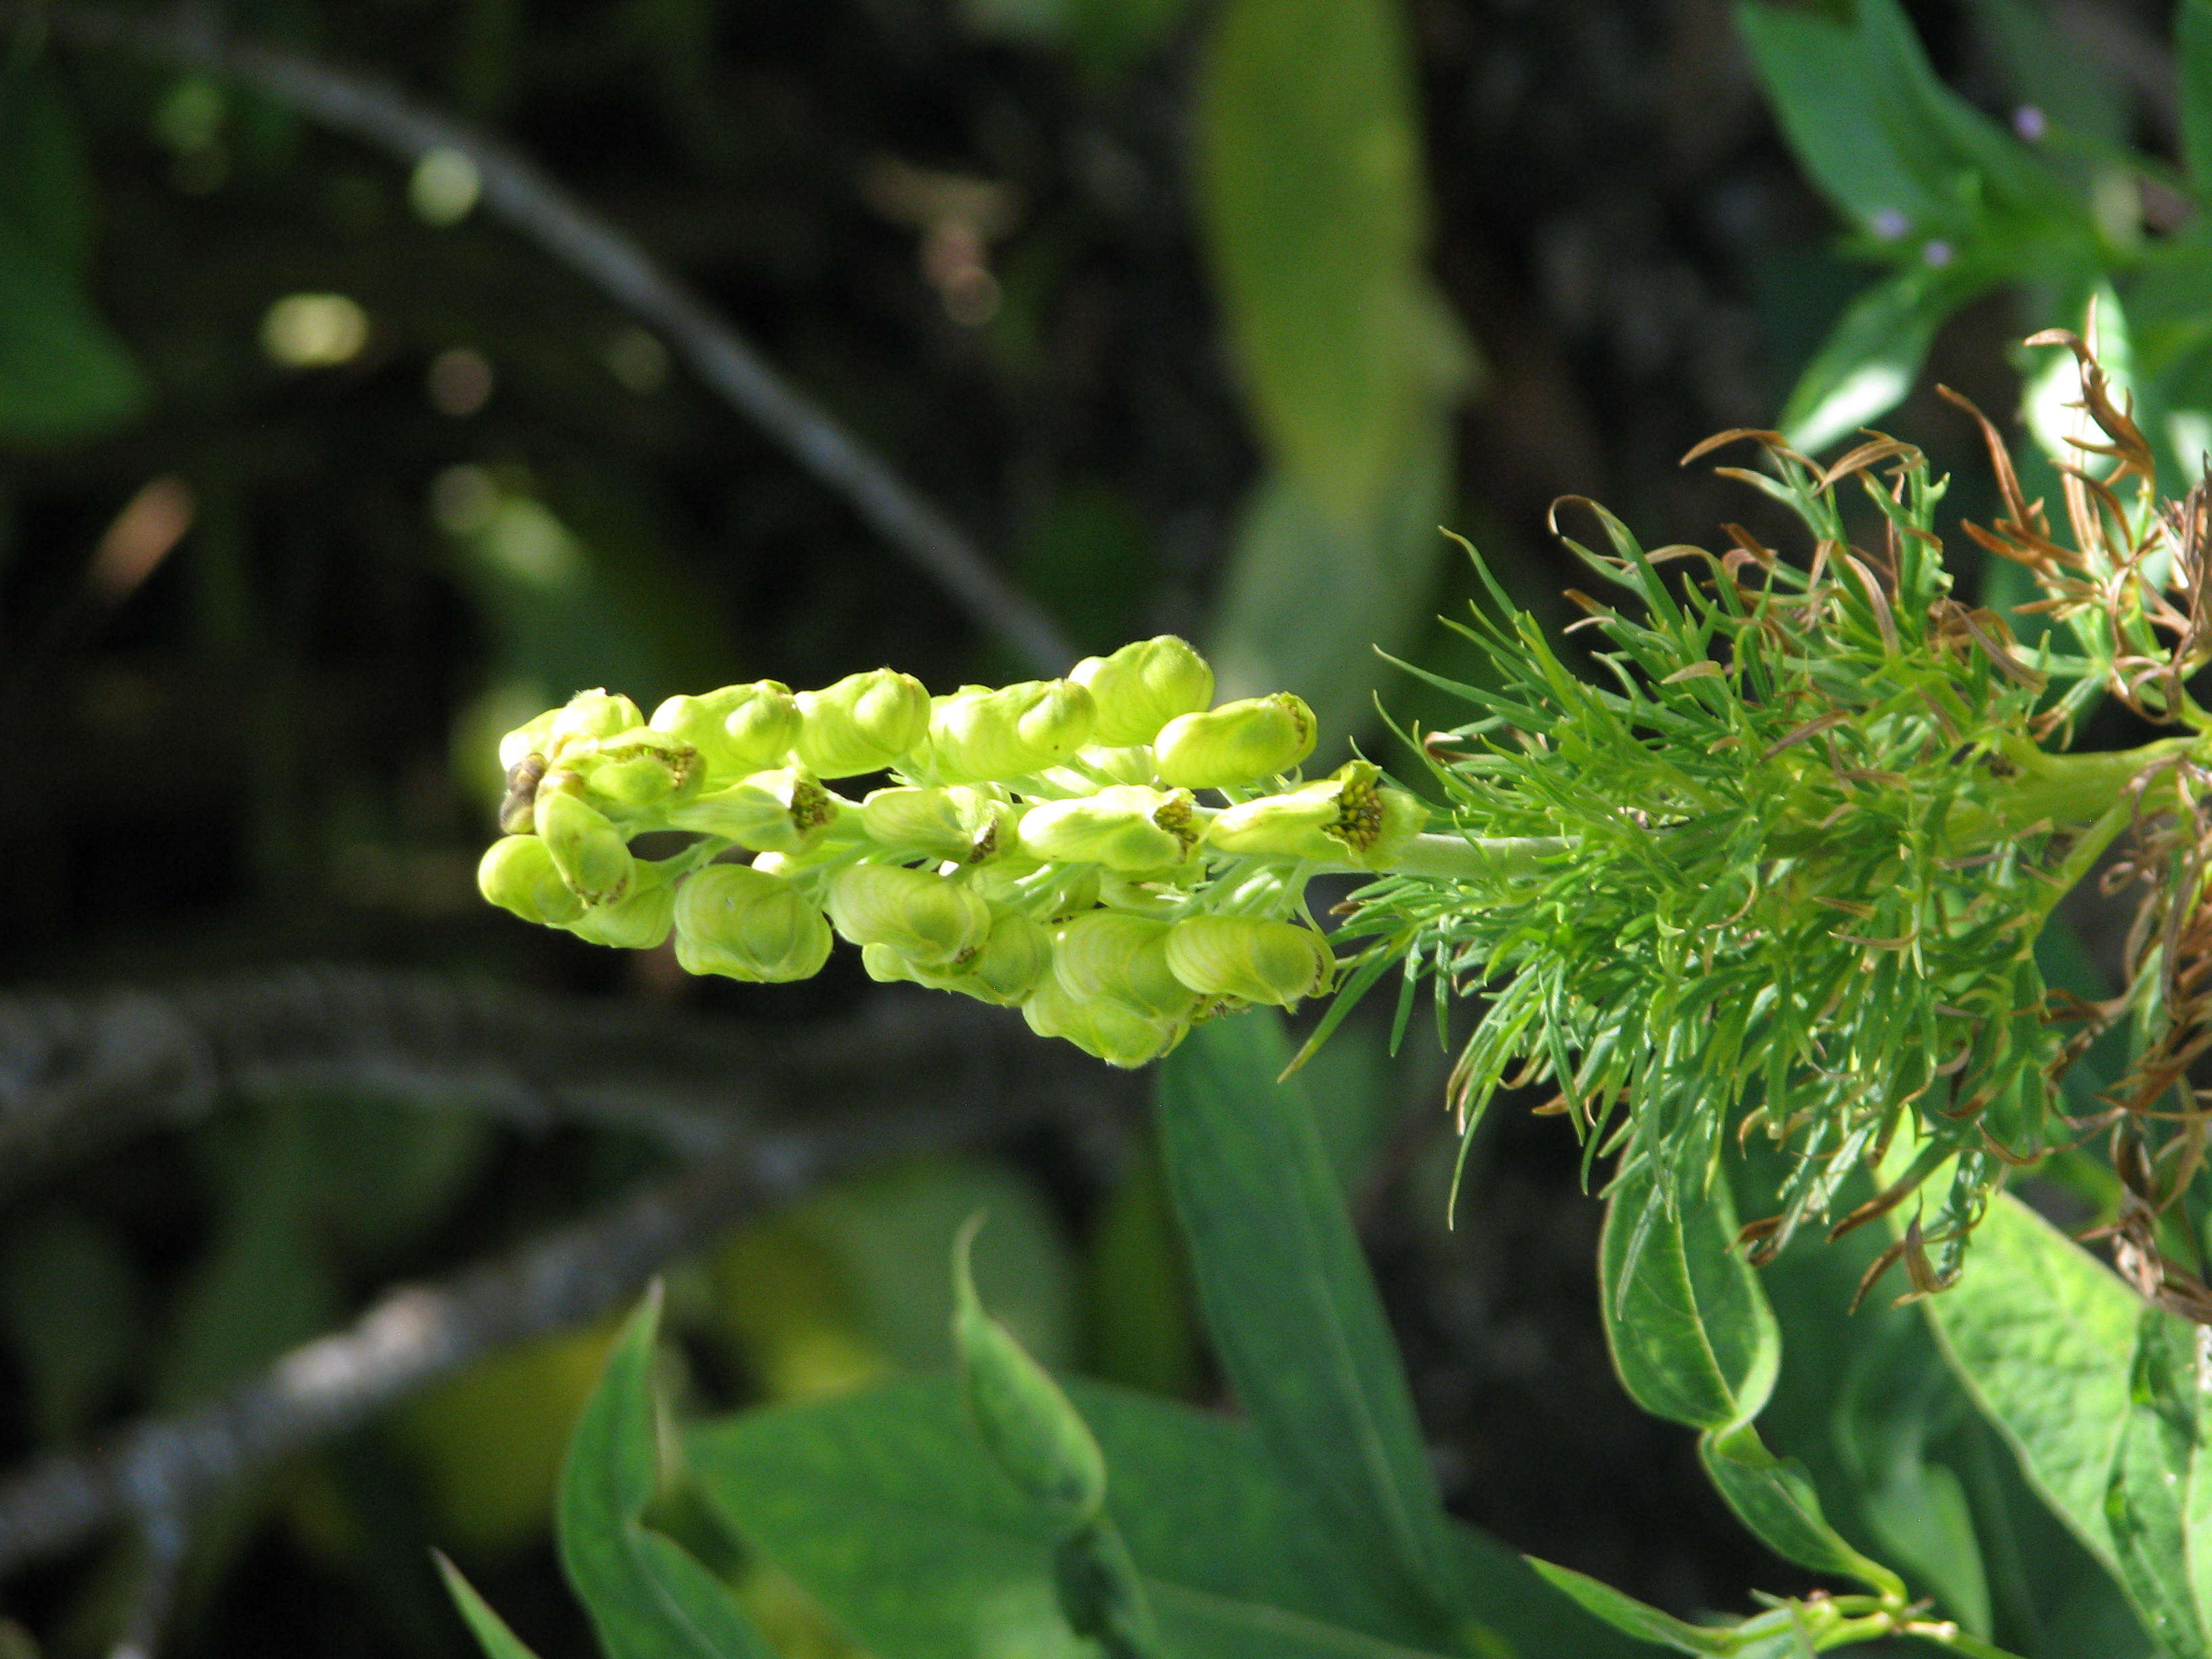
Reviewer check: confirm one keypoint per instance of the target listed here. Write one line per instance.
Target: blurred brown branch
(517, 190)
(159, 1471)
(81, 1073)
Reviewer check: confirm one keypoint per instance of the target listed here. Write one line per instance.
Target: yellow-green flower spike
(517, 873)
(780, 811)
(1141, 687)
(1238, 743)
(1123, 826)
(1013, 961)
(633, 774)
(588, 715)
(1249, 958)
(738, 729)
(746, 923)
(1349, 817)
(588, 850)
(925, 917)
(863, 723)
(1111, 955)
(977, 735)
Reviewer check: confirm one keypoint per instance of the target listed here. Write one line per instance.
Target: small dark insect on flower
(518, 807)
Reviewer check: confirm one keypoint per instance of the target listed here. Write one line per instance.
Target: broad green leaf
(1689, 1328)
(1695, 1341)
(646, 1597)
(2163, 1462)
(46, 181)
(1288, 1300)
(490, 1631)
(64, 375)
(2040, 1333)
(1872, 357)
(881, 1507)
(1312, 595)
(1898, 153)
(2192, 40)
(1314, 209)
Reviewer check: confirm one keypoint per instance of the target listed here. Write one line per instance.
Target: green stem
(1491, 861)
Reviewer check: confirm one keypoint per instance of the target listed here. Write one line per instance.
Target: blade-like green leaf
(2192, 40)
(1313, 206)
(2040, 1333)
(1639, 1618)
(1378, 568)
(490, 1631)
(646, 1597)
(1288, 1300)
(1774, 1497)
(878, 1504)
(2163, 1459)
(1872, 357)
(64, 375)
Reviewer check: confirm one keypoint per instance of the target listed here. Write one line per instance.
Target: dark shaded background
(248, 757)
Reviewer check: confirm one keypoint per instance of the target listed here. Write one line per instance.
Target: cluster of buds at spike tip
(1107, 852)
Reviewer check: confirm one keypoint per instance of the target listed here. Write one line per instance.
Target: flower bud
(738, 729)
(1141, 687)
(635, 773)
(638, 920)
(960, 823)
(1251, 958)
(1106, 1029)
(1029, 1428)
(587, 715)
(1349, 817)
(532, 737)
(517, 873)
(1110, 956)
(1237, 742)
(783, 811)
(746, 924)
(1124, 826)
(924, 916)
(589, 851)
(977, 734)
(861, 724)
(1013, 960)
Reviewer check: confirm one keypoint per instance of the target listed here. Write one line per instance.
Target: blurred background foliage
(1199, 315)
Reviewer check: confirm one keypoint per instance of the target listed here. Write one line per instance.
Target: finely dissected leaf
(2040, 1333)
(1873, 355)
(2163, 1459)
(490, 1631)
(1288, 1300)
(646, 1597)
(1312, 203)
(878, 1505)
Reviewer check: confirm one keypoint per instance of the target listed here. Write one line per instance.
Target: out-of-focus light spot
(523, 540)
(460, 382)
(463, 500)
(1888, 224)
(145, 532)
(1938, 253)
(959, 218)
(445, 187)
(2190, 432)
(639, 360)
(2029, 123)
(957, 261)
(190, 117)
(315, 331)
